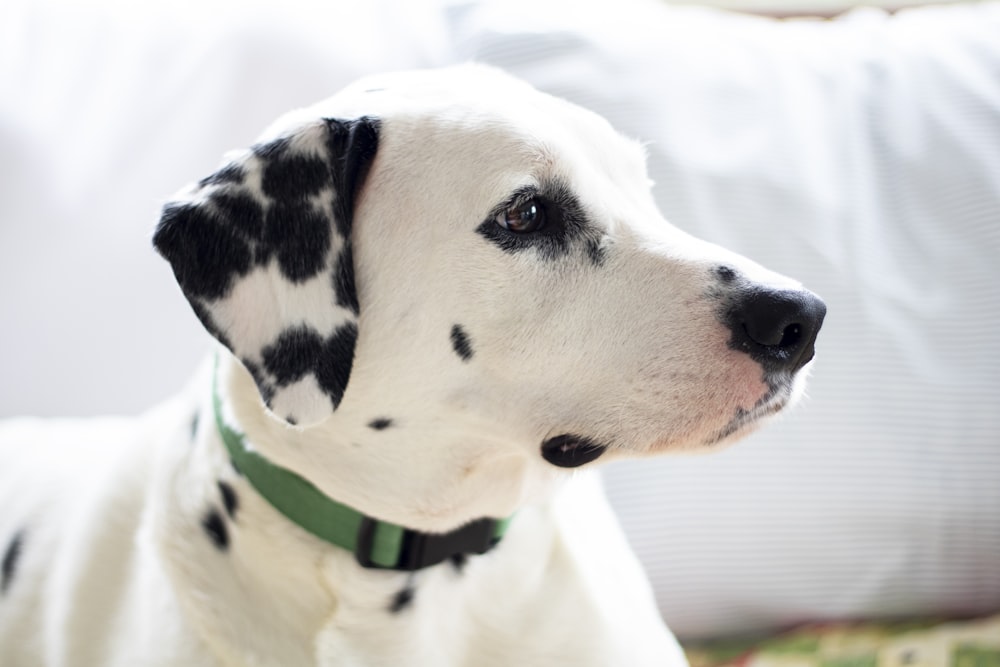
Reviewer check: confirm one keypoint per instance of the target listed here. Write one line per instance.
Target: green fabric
(911, 643)
(306, 505)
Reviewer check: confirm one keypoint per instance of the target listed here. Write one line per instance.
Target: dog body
(118, 565)
(434, 293)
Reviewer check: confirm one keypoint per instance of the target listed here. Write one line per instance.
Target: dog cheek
(695, 394)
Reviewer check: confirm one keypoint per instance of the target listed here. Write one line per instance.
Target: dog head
(452, 267)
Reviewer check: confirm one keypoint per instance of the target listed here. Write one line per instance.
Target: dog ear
(262, 251)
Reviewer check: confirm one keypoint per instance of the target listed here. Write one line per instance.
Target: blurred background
(857, 150)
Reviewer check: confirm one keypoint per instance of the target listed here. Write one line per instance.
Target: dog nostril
(790, 336)
(763, 332)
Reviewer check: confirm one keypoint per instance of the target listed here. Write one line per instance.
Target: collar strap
(375, 544)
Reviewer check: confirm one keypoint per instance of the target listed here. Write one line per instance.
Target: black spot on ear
(243, 212)
(570, 451)
(300, 235)
(336, 359)
(10, 558)
(272, 150)
(355, 143)
(229, 499)
(203, 250)
(460, 342)
(264, 386)
(343, 280)
(205, 317)
(230, 174)
(402, 600)
(293, 354)
(215, 528)
(380, 423)
(294, 177)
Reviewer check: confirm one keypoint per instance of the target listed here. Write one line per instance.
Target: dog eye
(523, 218)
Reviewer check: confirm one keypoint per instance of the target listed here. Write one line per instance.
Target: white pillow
(861, 156)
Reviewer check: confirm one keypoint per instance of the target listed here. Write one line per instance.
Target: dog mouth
(746, 419)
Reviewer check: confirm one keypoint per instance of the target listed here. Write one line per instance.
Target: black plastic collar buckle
(420, 550)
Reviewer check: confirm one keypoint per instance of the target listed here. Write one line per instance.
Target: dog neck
(375, 543)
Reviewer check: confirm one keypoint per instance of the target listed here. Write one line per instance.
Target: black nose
(776, 327)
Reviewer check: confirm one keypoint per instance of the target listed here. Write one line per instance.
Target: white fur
(115, 568)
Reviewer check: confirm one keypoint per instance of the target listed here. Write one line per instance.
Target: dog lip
(774, 402)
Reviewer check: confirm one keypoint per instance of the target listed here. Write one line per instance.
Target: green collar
(375, 544)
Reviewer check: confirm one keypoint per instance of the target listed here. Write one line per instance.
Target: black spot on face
(293, 354)
(402, 600)
(336, 359)
(380, 423)
(570, 451)
(458, 561)
(460, 343)
(8, 567)
(215, 527)
(725, 274)
(229, 499)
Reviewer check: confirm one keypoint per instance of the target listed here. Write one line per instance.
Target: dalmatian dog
(440, 298)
